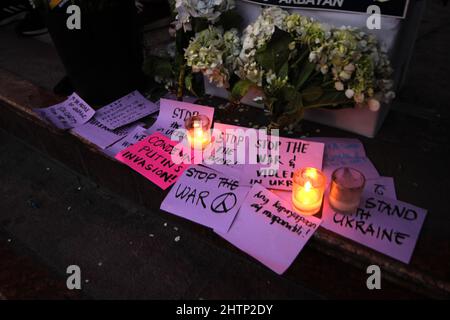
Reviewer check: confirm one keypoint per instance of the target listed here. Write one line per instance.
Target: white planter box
(397, 35)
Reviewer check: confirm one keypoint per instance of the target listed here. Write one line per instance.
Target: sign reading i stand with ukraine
(395, 8)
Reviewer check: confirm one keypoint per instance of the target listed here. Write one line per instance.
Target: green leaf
(188, 83)
(312, 93)
(330, 98)
(307, 70)
(275, 54)
(293, 100)
(284, 71)
(240, 89)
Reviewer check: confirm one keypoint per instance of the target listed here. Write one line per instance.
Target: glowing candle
(198, 131)
(307, 190)
(347, 186)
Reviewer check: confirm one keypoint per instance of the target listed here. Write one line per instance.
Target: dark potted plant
(103, 58)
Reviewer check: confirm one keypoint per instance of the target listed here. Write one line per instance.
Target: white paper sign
(382, 186)
(383, 224)
(100, 135)
(206, 197)
(71, 113)
(125, 110)
(138, 134)
(269, 231)
(228, 141)
(173, 114)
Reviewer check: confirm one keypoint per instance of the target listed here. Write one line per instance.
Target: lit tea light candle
(347, 186)
(307, 190)
(198, 131)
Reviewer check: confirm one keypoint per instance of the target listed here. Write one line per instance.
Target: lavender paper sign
(100, 135)
(71, 113)
(173, 114)
(205, 197)
(125, 110)
(383, 224)
(268, 230)
(138, 134)
(382, 186)
(288, 155)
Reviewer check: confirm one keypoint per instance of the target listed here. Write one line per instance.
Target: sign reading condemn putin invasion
(152, 157)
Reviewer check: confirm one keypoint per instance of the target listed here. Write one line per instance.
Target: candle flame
(308, 186)
(199, 133)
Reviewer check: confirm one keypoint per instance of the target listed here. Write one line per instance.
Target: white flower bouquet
(297, 64)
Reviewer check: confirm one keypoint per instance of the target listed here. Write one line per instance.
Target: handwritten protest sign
(101, 136)
(173, 114)
(125, 110)
(386, 225)
(138, 134)
(152, 158)
(268, 230)
(230, 143)
(341, 152)
(206, 197)
(71, 113)
(285, 156)
(172, 96)
(383, 186)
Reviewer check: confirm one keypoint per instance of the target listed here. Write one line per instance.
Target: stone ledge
(18, 96)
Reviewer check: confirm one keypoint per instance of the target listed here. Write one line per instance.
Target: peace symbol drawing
(224, 203)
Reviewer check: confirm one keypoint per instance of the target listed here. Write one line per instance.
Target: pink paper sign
(268, 230)
(285, 156)
(152, 158)
(383, 224)
(71, 113)
(206, 197)
(125, 110)
(173, 114)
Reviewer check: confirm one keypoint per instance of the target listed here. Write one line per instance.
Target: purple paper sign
(268, 230)
(205, 197)
(138, 134)
(125, 110)
(100, 135)
(173, 114)
(383, 224)
(71, 113)
(382, 186)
